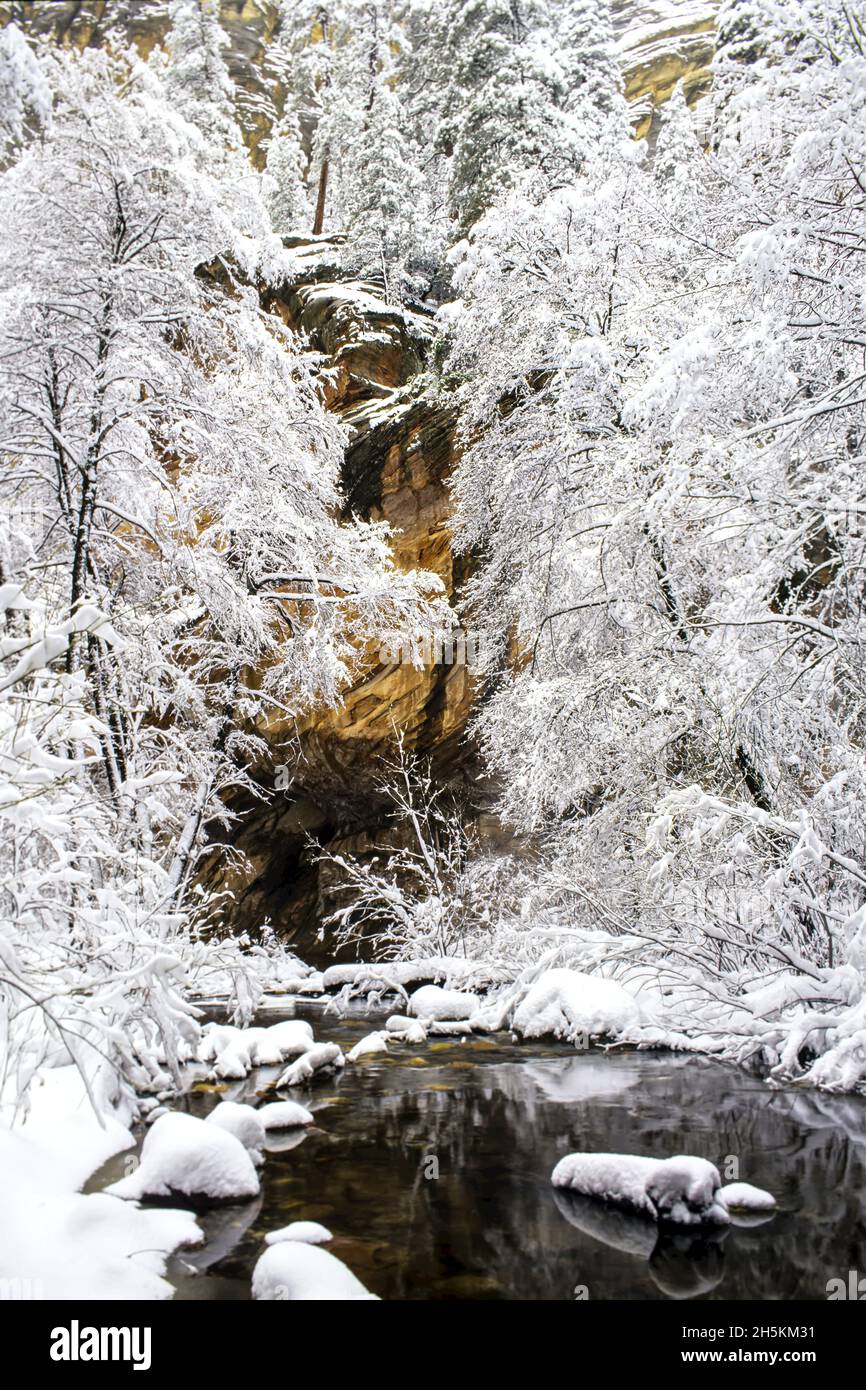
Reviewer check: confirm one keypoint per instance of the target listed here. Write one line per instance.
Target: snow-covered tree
(197, 78)
(659, 491)
(25, 102)
(505, 90)
(176, 480)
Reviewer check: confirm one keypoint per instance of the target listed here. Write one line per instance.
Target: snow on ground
(244, 1123)
(307, 1232)
(294, 1271)
(58, 1243)
(682, 1191)
(192, 1158)
(284, 1114)
(569, 1005)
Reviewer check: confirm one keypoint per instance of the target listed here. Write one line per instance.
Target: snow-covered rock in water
(215, 1037)
(320, 1057)
(368, 1047)
(313, 984)
(292, 1037)
(307, 1232)
(292, 1271)
(407, 1030)
(569, 1005)
(188, 1157)
(742, 1196)
(433, 1004)
(284, 1114)
(263, 1050)
(235, 1051)
(244, 1123)
(682, 1191)
(229, 1049)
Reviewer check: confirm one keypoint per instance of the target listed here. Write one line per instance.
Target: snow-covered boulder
(368, 1047)
(233, 1052)
(293, 1271)
(262, 1049)
(681, 1191)
(742, 1196)
(312, 984)
(307, 1232)
(228, 1049)
(214, 1038)
(407, 1030)
(244, 1123)
(569, 1005)
(319, 1058)
(284, 1114)
(291, 1037)
(432, 1004)
(183, 1156)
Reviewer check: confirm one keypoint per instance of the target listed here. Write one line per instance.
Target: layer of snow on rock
(400, 974)
(683, 1190)
(369, 1046)
(292, 1037)
(244, 1123)
(284, 1114)
(568, 1004)
(320, 1057)
(293, 1271)
(433, 1004)
(407, 1030)
(235, 1051)
(307, 1232)
(185, 1156)
(742, 1196)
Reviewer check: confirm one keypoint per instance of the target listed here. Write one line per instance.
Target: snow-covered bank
(778, 1030)
(59, 1243)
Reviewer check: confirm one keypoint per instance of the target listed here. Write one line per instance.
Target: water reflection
(496, 1117)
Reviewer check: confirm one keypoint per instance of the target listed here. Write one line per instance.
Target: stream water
(431, 1166)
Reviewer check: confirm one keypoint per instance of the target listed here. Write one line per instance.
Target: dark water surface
(496, 1116)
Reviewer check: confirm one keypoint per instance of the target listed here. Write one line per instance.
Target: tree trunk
(319, 222)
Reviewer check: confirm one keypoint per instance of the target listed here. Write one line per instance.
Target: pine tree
(506, 95)
(197, 77)
(677, 145)
(286, 167)
(25, 100)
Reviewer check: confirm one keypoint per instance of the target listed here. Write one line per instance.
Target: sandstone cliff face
(397, 462)
(660, 43)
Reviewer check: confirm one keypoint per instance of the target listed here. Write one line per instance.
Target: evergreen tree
(197, 77)
(506, 96)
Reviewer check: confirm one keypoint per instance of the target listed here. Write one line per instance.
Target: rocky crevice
(370, 360)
